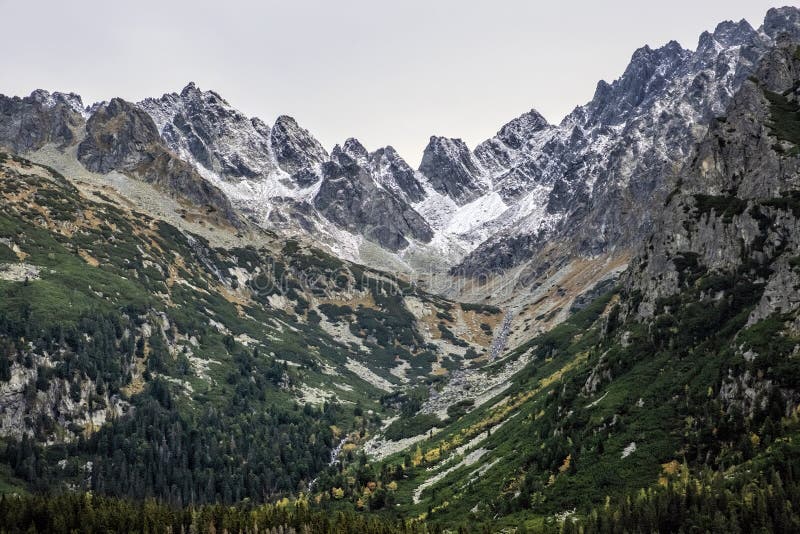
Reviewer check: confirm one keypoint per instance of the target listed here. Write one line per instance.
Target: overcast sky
(384, 72)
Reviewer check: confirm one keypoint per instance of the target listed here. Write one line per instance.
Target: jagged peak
(115, 105)
(727, 34)
(190, 88)
(642, 56)
(438, 141)
(289, 126)
(453, 148)
(260, 125)
(192, 91)
(41, 95)
(193, 96)
(389, 153)
(517, 131)
(647, 55)
(286, 120)
(354, 148)
(780, 20)
(602, 89)
(349, 153)
(294, 145)
(46, 98)
(532, 117)
(452, 169)
(120, 107)
(728, 27)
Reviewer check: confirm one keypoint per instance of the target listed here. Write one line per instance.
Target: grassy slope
(560, 447)
(99, 259)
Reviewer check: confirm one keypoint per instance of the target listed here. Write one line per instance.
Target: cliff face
(202, 126)
(29, 123)
(736, 208)
(453, 170)
(351, 198)
(122, 137)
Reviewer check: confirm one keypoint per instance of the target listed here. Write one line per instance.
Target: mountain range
(591, 326)
(526, 203)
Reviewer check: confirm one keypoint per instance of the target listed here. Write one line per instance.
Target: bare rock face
(350, 197)
(508, 155)
(205, 129)
(295, 148)
(782, 21)
(394, 173)
(122, 137)
(69, 405)
(736, 207)
(29, 123)
(453, 170)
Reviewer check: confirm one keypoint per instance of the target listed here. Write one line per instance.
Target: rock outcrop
(453, 170)
(736, 207)
(295, 148)
(31, 122)
(204, 128)
(122, 137)
(350, 197)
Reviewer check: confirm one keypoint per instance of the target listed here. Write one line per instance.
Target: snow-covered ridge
(588, 179)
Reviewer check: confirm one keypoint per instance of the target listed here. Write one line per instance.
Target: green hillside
(214, 385)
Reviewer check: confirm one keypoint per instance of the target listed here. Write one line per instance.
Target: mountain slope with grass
(142, 359)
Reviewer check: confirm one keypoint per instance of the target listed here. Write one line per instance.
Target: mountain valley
(208, 322)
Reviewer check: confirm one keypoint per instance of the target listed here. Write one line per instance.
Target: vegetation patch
(407, 427)
(724, 206)
(784, 118)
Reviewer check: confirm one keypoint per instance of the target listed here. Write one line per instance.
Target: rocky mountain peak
(350, 154)
(190, 89)
(122, 137)
(729, 33)
(353, 148)
(216, 138)
(392, 172)
(646, 75)
(515, 139)
(193, 93)
(515, 133)
(355, 200)
(70, 100)
(452, 169)
(782, 20)
(607, 160)
(119, 136)
(295, 148)
(29, 123)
